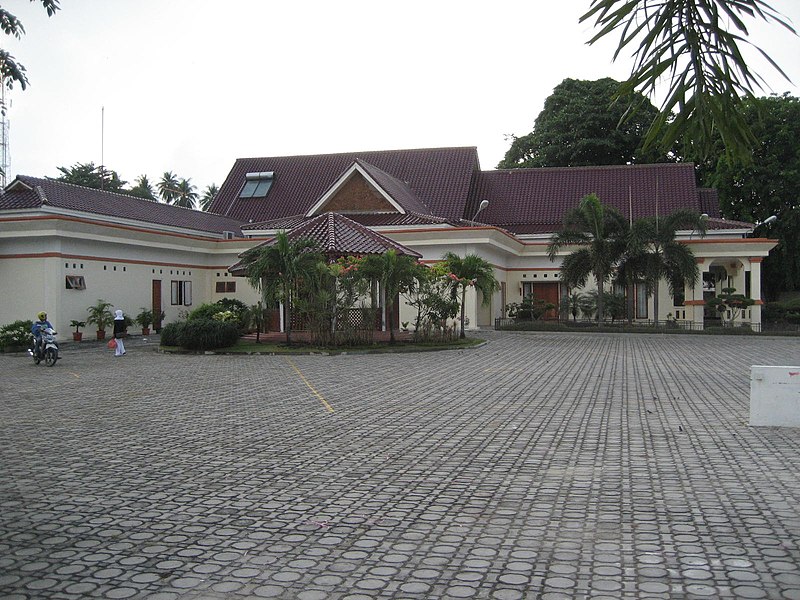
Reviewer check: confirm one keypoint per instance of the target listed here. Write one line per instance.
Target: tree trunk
(600, 314)
(655, 303)
(630, 305)
(287, 316)
(389, 302)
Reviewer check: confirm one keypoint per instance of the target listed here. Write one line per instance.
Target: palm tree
(630, 271)
(208, 196)
(143, 188)
(278, 269)
(397, 274)
(653, 245)
(472, 270)
(599, 232)
(168, 187)
(186, 194)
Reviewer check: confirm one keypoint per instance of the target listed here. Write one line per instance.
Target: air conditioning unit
(227, 235)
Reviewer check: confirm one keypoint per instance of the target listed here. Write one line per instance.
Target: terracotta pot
(145, 331)
(77, 336)
(101, 334)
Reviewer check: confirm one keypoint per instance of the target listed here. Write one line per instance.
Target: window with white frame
(181, 293)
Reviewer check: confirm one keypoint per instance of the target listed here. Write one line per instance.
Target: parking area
(537, 466)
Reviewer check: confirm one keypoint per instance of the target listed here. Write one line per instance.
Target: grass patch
(251, 347)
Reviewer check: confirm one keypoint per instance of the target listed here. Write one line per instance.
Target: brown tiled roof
(366, 219)
(536, 200)
(336, 235)
(713, 223)
(718, 224)
(709, 202)
(33, 192)
(439, 178)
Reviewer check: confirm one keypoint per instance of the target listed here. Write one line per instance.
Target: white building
(62, 247)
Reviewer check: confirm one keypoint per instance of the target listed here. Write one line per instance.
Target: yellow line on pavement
(311, 387)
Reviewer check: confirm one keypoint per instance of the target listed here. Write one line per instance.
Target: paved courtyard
(537, 466)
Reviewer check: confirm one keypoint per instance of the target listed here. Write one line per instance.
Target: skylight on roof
(257, 185)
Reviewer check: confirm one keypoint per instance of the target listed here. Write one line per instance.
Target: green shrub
(239, 310)
(204, 312)
(232, 304)
(200, 334)
(787, 311)
(171, 334)
(17, 333)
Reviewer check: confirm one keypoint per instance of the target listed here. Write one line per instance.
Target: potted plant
(100, 315)
(145, 319)
(77, 335)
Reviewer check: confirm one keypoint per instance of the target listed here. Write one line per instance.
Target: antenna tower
(5, 158)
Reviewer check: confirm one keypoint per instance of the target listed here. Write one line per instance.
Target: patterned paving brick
(536, 466)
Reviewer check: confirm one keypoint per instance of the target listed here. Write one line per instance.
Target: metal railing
(501, 323)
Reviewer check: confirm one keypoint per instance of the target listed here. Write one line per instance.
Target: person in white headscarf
(119, 332)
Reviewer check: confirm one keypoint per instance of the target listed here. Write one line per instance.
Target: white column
(696, 295)
(755, 290)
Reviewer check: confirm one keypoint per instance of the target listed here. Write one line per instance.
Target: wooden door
(549, 293)
(156, 303)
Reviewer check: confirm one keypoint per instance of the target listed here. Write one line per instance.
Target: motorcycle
(47, 350)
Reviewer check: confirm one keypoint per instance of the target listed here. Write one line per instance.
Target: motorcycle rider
(36, 330)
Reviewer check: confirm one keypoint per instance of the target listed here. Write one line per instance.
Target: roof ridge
(41, 194)
(119, 194)
(593, 167)
(348, 153)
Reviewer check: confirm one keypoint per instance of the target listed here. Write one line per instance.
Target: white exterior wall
(118, 266)
(496, 248)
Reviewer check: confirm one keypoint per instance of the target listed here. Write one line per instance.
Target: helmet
(42, 315)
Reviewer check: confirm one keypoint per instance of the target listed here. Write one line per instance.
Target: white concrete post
(775, 396)
(755, 290)
(697, 303)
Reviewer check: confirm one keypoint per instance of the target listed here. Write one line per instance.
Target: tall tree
(396, 274)
(582, 124)
(186, 194)
(471, 270)
(143, 188)
(695, 46)
(91, 176)
(277, 270)
(208, 196)
(10, 70)
(768, 185)
(653, 245)
(599, 234)
(168, 187)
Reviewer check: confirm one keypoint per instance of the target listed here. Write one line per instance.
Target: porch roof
(336, 236)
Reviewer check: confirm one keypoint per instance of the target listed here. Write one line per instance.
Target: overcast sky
(191, 85)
